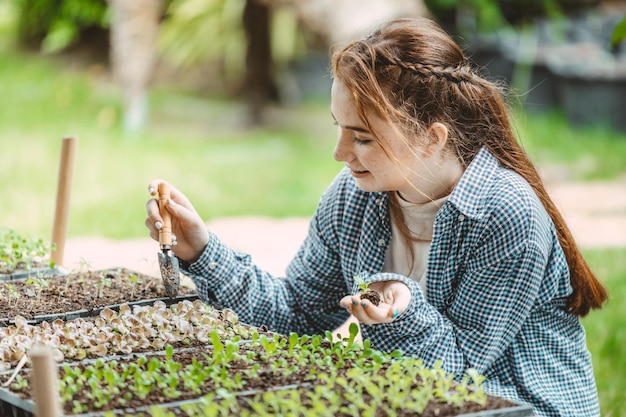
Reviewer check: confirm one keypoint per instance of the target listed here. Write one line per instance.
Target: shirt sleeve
(306, 301)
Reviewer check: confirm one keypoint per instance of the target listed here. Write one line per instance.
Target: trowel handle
(165, 234)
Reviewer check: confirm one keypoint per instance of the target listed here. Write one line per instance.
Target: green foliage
(348, 377)
(486, 12)
(20, 252)
(197, 31)
(619, 33)
(58, 23)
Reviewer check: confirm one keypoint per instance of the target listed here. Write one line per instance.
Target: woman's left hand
(395, 298)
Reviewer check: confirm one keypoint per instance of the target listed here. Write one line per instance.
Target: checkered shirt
(497, 280)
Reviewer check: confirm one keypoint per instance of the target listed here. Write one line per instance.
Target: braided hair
(411, 73)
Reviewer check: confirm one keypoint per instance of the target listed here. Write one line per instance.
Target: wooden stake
(64, 188)
(44, 382)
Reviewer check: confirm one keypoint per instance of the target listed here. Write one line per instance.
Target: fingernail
(354, 303)
(151, 190)
(346, 307)
(363, 304)
(395, 314)
(158, 225)
(171, 203)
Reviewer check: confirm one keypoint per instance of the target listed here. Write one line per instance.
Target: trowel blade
(170, 273)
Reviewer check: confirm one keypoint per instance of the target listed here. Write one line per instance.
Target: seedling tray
(71, 315)
(95, 304)
(16, 406)
(35, 272)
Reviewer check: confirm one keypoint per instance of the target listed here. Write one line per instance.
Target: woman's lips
(359, 174)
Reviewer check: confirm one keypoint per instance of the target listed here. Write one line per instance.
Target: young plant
(40, 283)
(18, 252)
(13, 294)
(104, 282)
(366, 292)
(134, 280)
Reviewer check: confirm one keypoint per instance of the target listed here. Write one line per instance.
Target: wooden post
(64, 188)
(45, 385)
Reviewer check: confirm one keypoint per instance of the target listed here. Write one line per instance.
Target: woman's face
(401, 168)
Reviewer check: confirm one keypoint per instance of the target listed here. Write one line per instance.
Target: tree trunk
(134, 31)
(260, 88)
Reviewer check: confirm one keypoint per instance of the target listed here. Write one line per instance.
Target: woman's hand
(395, 298)
(188, 230)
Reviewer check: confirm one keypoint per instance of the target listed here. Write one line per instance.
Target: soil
(371, 295)
(79, 291)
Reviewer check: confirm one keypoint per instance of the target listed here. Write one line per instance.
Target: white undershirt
(419, 218)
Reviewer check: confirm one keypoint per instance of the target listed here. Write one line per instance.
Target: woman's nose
(342, 148)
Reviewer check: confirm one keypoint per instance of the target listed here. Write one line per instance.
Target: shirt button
(379, 201)
(461, 217)
(381, 242)
(212, 265)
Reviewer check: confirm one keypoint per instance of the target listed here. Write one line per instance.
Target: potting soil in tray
(80, 294)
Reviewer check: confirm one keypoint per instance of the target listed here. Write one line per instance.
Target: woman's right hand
(188, 229)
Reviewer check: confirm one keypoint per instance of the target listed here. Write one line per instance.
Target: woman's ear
(437, 137)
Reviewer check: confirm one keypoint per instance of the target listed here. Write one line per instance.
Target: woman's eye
(361, 141)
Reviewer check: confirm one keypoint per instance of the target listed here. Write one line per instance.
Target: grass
(193, 142)
(572, 153)
(197, 143)
(606, 336)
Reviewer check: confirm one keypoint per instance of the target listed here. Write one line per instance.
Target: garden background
(251, 182)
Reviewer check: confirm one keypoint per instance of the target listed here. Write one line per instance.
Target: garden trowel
(167, 261)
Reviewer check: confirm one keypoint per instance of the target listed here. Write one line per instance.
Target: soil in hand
(371, 295)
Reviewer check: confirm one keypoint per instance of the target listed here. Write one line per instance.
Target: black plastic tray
(70, 315)
(25, 274)
(13, 406)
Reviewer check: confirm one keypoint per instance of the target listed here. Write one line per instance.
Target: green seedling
(18, 252)
(13, 294)
(40, 283)
(366, 292)
(134, 281)
(104, 282)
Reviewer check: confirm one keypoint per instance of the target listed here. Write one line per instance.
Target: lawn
(606, 334)
(196, 142)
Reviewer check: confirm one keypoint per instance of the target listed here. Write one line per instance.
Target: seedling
(14, 294)
(104, 282)
(18, 252)
(366, 292)
(40, 283)
(134, 280)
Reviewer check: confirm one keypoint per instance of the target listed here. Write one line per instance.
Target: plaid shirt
(497, 280)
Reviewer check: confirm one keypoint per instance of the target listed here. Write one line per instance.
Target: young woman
(440, 209)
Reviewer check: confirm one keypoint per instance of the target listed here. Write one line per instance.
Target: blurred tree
(260, 87)
(198, 33)
(134, 33)
(238, 34)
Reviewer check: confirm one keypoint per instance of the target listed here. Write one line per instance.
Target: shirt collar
(469, 193)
